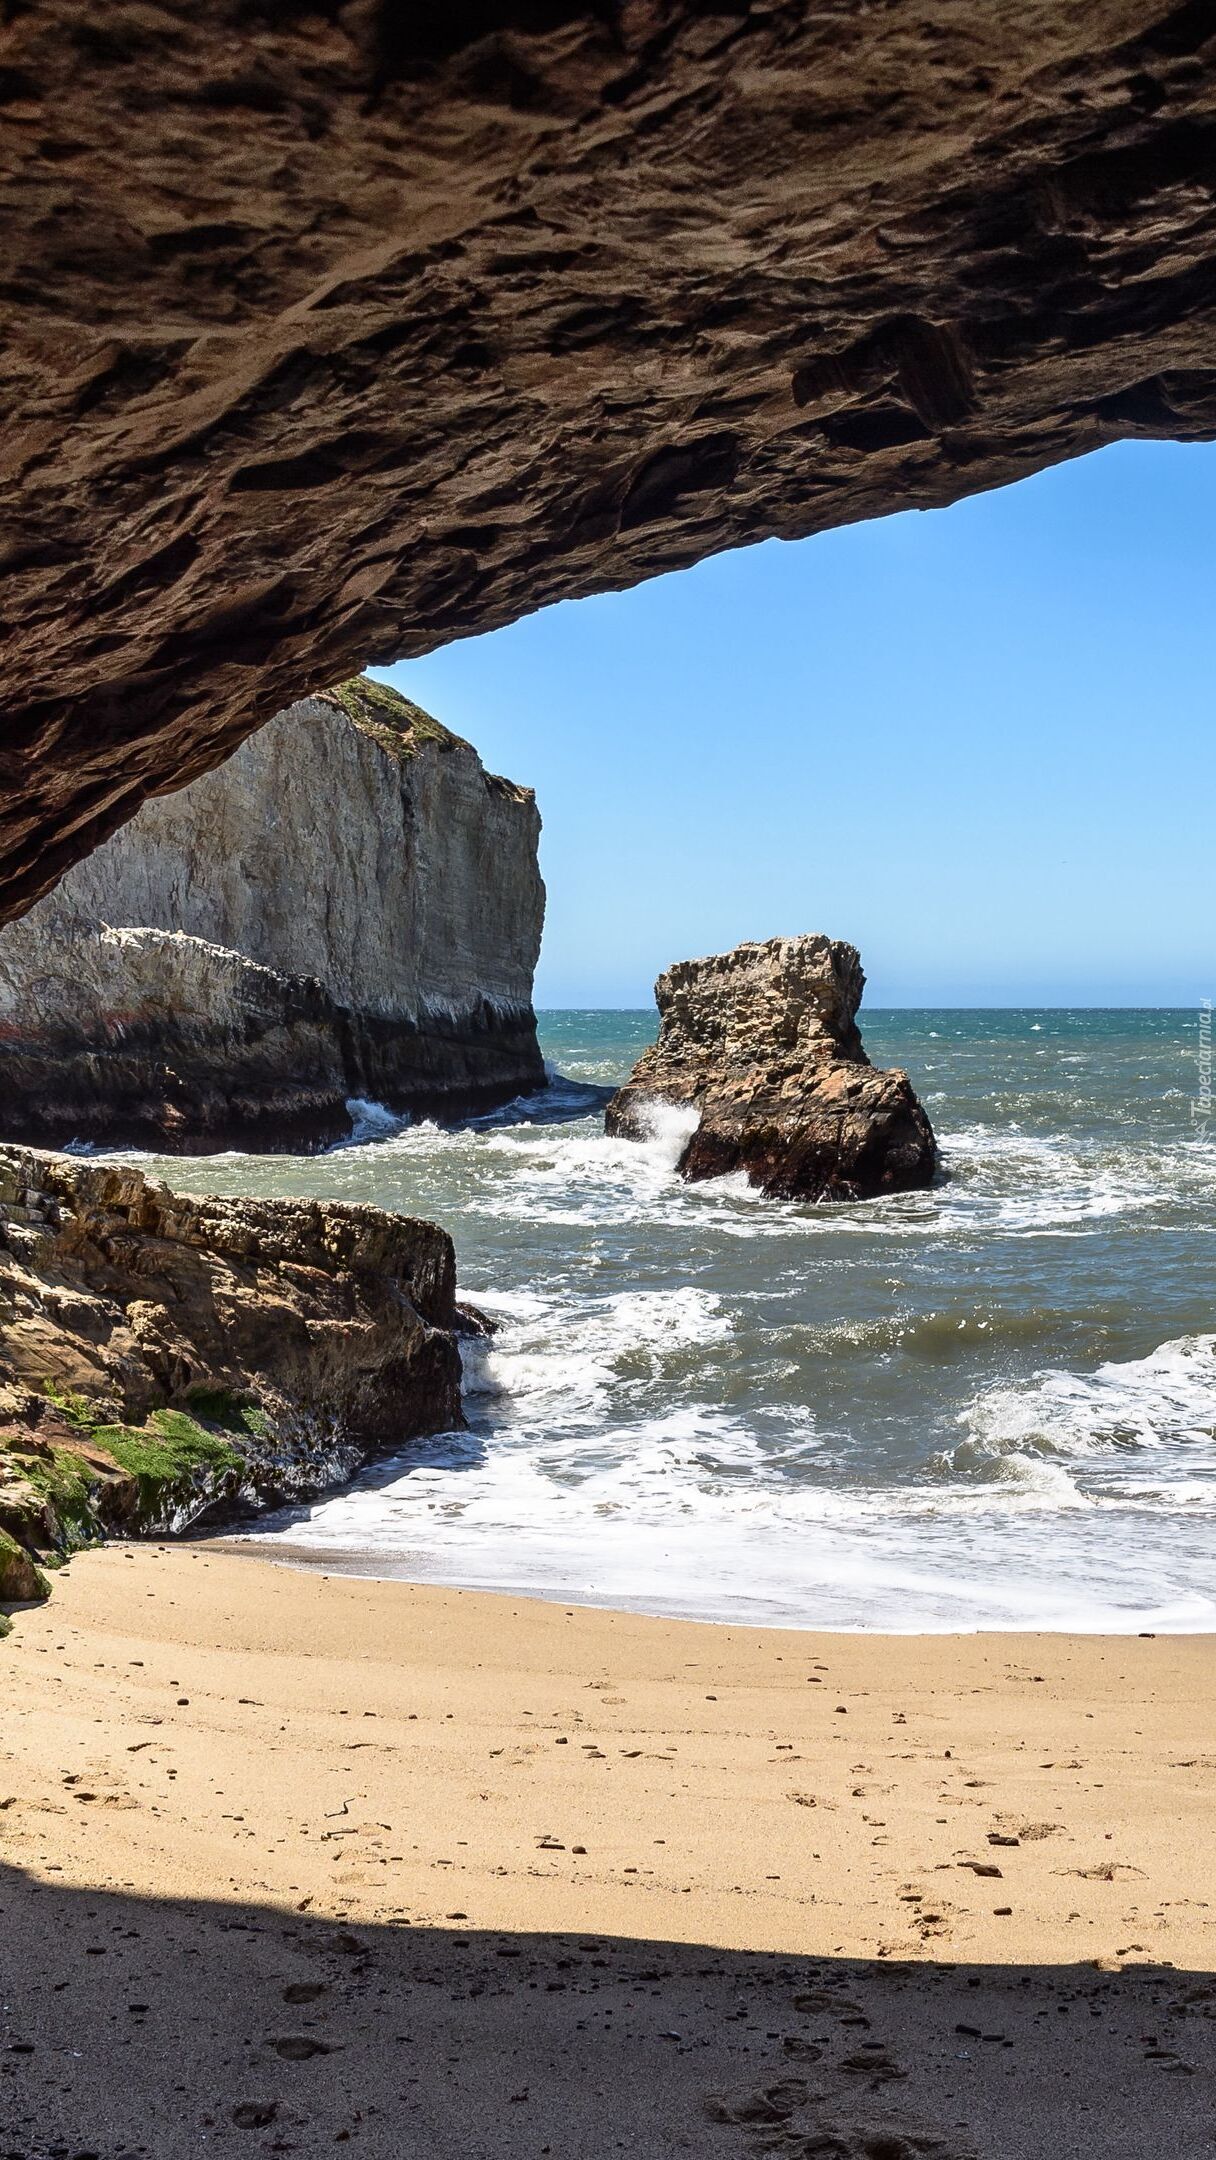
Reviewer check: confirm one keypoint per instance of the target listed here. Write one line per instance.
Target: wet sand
(291, 1860)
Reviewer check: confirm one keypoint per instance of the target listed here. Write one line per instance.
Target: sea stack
(763, 1043)
(350, 907)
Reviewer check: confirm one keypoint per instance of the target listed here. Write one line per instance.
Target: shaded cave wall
(335, 334)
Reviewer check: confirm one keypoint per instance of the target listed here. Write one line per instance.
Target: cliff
(763, 1043)
(351, 906)
(162, 1357)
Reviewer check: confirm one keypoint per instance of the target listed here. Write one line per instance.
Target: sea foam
(992, 1403)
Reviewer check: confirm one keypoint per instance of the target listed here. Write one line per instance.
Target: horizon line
(1200, 1004)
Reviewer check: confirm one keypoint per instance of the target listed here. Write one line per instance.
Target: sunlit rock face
(163, 1357)
(335, 333)
(351, 907)
(760, 1048)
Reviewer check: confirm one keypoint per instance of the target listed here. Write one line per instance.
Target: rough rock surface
(763, 1043)
(21, 1579)
(335, 332)
(350, 907)
(162, 1356)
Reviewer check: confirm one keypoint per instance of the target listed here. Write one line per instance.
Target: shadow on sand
(136, 2026)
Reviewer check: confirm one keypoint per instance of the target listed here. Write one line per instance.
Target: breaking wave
(990, 1404)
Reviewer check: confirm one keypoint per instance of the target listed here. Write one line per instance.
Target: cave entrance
(975, 741)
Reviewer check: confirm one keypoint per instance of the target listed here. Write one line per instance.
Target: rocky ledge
(763, 1043)
(167, 1359)
(350, 907)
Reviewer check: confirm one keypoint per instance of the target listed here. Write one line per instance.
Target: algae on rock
(164, 1358)
(21, 1581)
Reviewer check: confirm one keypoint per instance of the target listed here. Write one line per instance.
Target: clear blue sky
(978, 742)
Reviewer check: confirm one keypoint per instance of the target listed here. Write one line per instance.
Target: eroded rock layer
(350, 907)
(762, 1043)
(163, 1357)
(335, 332)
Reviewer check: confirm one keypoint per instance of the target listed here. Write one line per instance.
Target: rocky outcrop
(350, 907)
(163, 1358)
(336, 332)
(762, 1043)
(21, 1579)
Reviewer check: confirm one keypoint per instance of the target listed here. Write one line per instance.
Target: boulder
(21, 1580)
(762, 1043)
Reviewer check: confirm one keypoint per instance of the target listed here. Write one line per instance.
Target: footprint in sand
(772, 2104)
(780, 2120)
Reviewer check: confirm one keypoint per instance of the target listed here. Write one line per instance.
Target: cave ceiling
(332, 333)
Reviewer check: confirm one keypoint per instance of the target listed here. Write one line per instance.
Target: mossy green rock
(161, 1474)
(171, 1357)
(21, 1580)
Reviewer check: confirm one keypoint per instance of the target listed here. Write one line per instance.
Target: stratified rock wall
(351, 906)
(163, 1356)
(762, 1042)
(332, 332)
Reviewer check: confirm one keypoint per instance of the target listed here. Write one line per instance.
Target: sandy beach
(292, 1859)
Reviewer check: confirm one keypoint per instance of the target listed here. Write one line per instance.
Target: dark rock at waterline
(763, 1043)
(167, 1359)
(351, 907)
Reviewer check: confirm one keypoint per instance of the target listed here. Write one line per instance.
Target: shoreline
(473, 1877)
(340, 1562)
(709, 1407)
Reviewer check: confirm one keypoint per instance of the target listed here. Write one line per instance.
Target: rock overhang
(338, 333)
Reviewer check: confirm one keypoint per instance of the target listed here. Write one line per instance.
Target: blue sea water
(988, 1405)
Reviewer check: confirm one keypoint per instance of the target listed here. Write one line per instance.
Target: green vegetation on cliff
(402, 728)
(393, 721)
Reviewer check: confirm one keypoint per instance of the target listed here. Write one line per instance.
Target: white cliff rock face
(399, 874)
(352, 905)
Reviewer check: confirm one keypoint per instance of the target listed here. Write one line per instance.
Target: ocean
(991, 1405)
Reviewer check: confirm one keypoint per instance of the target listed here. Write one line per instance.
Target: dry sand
(294, 1860)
